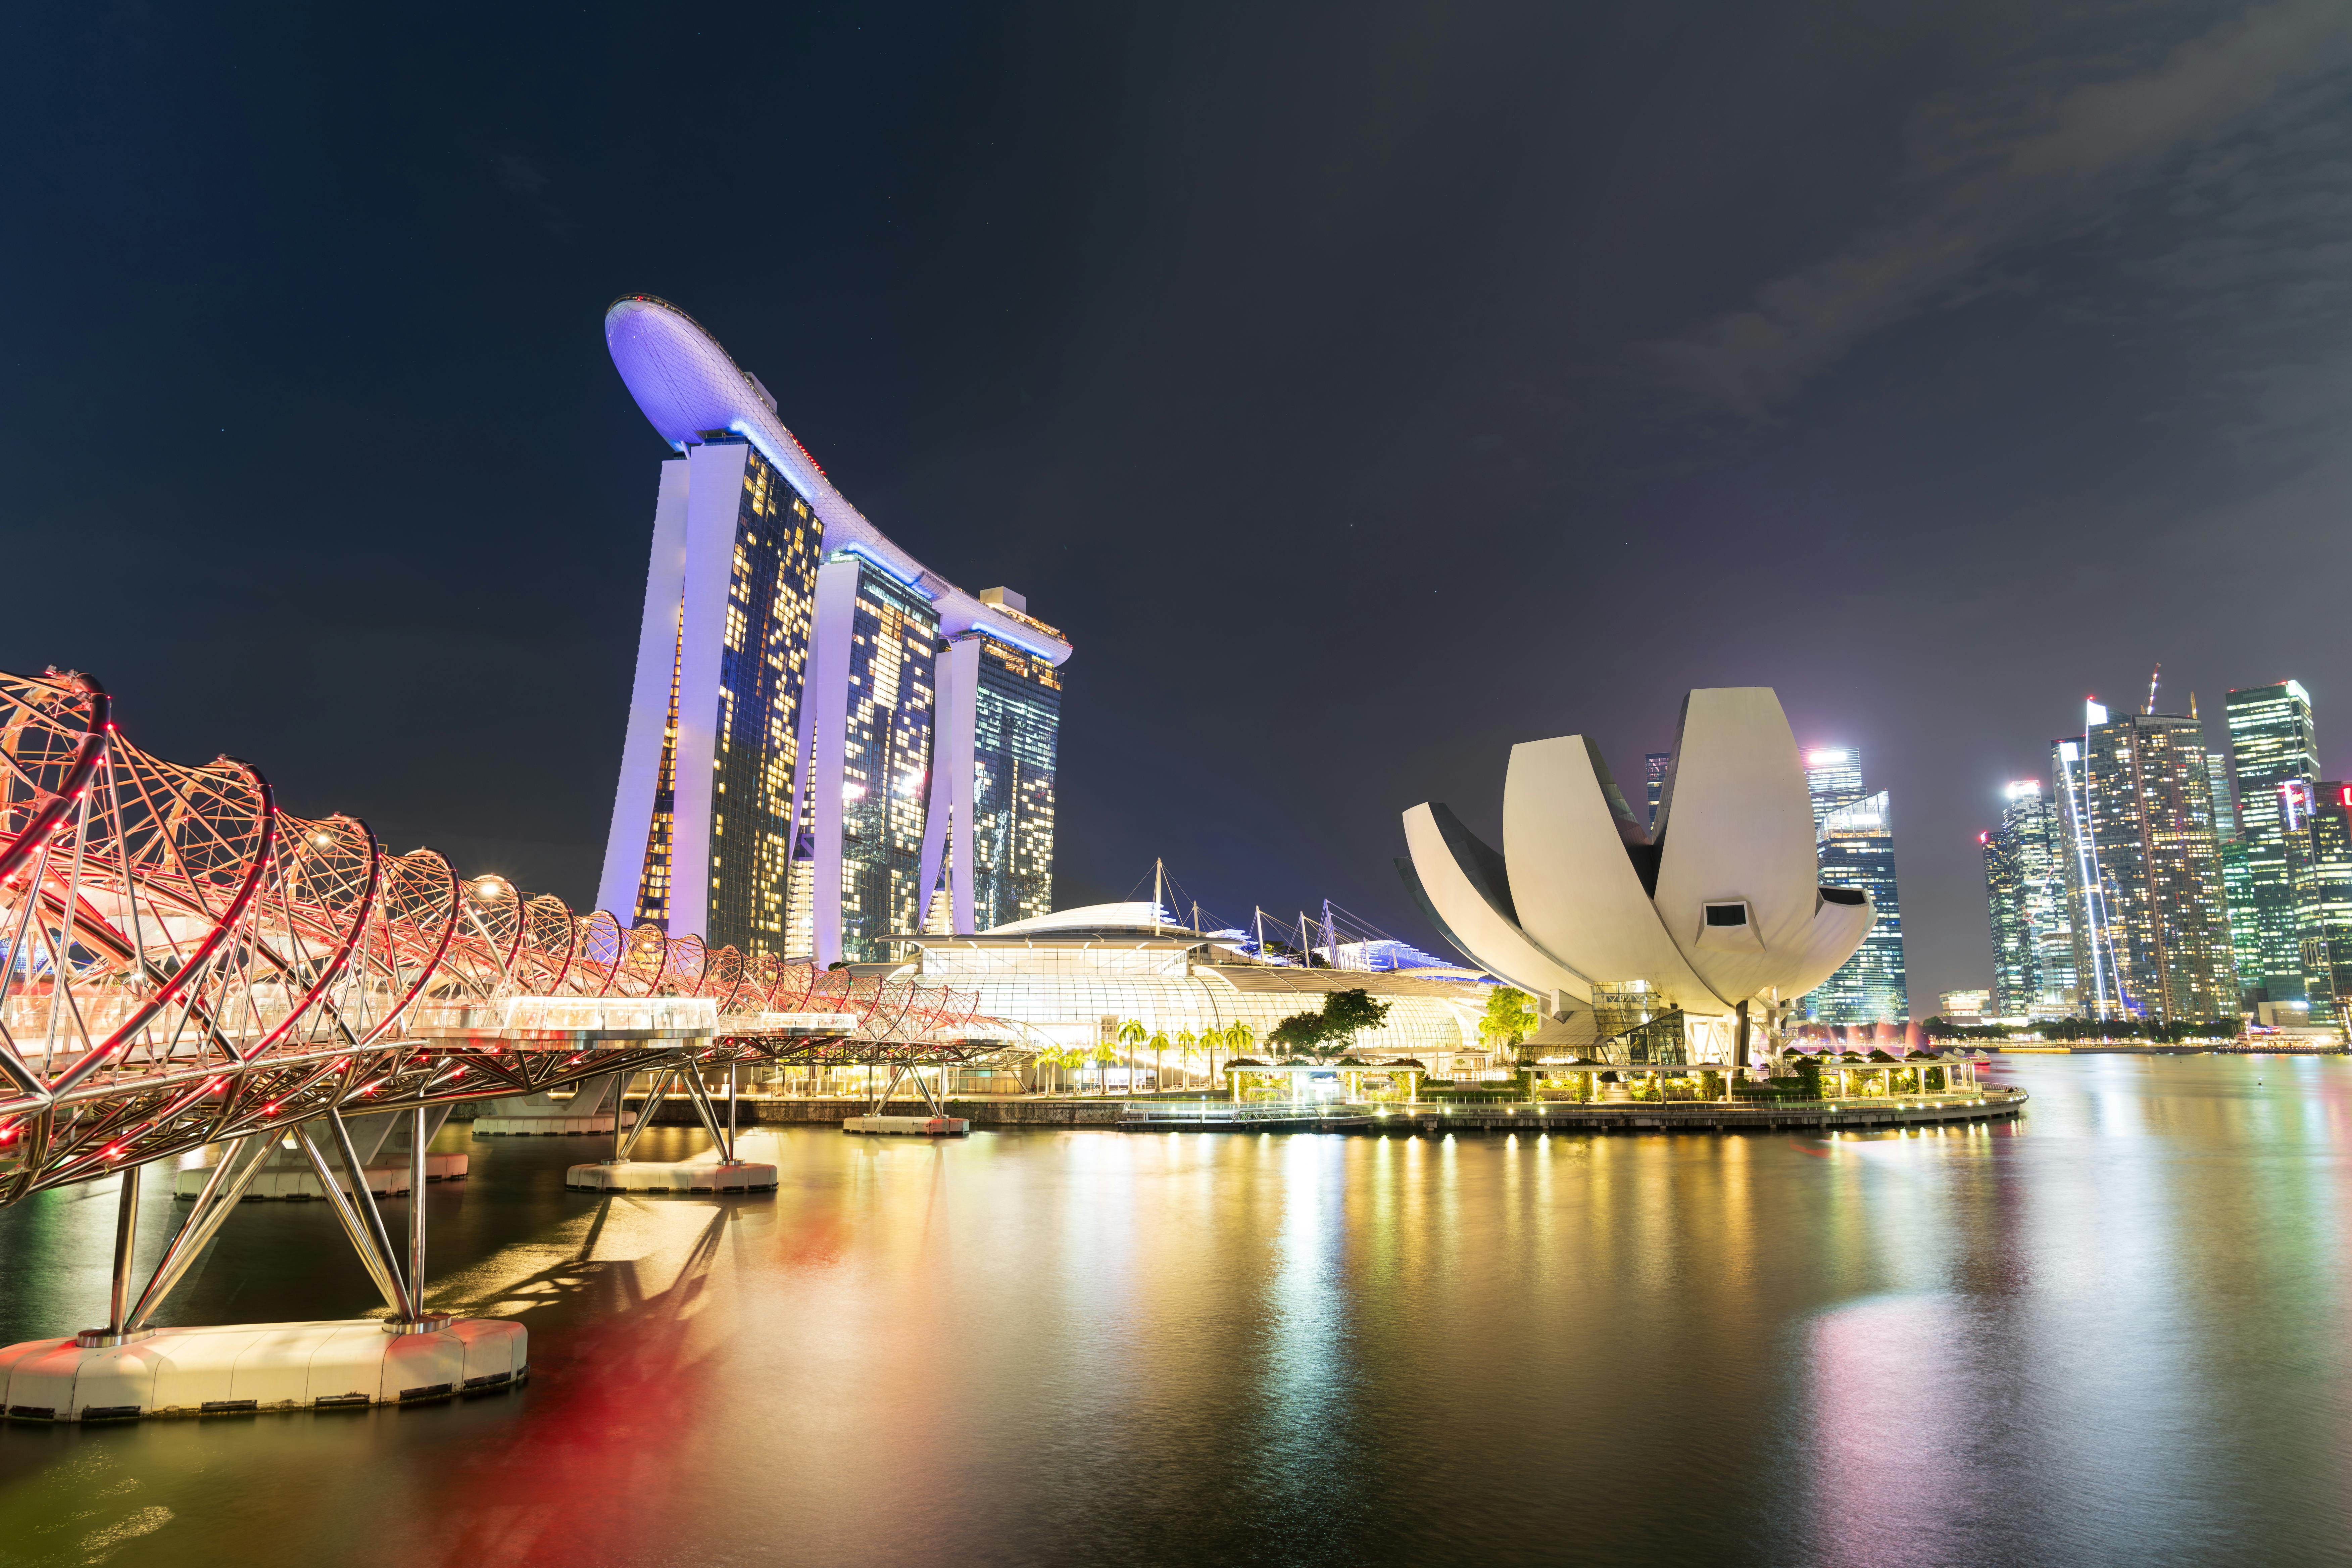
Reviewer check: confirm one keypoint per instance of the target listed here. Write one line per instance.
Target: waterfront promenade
(1175, 1115)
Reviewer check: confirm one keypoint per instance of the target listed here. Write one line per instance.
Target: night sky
(1363, 387)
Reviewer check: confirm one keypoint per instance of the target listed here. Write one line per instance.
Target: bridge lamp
(489, 890)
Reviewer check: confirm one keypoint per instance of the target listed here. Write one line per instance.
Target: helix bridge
(183, 963)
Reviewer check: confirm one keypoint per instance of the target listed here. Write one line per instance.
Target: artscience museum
(1680, 945)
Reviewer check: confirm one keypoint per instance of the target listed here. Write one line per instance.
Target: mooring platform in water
(244, 1369)
(909, 1126)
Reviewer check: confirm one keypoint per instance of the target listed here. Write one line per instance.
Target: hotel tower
(829, 745)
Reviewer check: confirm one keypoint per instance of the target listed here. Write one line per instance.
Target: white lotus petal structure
(1722, 907)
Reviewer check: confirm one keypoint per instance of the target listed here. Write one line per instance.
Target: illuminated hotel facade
(829, 745)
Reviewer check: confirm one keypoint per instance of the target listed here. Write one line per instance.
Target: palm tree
(1239, 1037)
(1185, 1041)
(1131, 1035)
(1106, 1053)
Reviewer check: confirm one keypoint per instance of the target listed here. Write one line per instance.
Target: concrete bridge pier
(725, 1174)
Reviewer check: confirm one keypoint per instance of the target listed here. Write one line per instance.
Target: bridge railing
(182, 960)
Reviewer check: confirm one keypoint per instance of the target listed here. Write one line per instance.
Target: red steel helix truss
(182, 961)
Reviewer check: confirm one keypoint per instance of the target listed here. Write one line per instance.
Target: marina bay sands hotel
(829, 745)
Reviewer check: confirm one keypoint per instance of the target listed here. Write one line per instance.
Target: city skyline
(1255, 373)
(2199, 882)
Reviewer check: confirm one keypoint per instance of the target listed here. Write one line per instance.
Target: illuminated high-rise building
(789, 779)
(2274, 748)
(1017, 712)
(2322, 820)
(2025, 886)
(2237, 880)
(1655, 768)
(2145, 886)
(1856, 849)
(1832, 778)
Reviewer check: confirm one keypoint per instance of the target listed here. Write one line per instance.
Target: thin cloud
(520, 176)
(1999, 171)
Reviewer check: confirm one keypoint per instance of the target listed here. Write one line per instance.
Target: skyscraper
(2143, 871)
(1857, 850)
(800, 771)
(1833, 779)
(2025, 886)
(2237, 883)
(1018, 711)
(1655, 766)
(2016, 970)
(2324, 890)
(2274, 748)
(1855, 842)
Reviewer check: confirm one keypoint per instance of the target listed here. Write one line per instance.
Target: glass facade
(2025, 887)
(1833, 779)
(1077, 993)
(2323, 886)
(885, 774)
(2147, 869)
(2237, 880)
(1016, 731)
(1857, 850)
(653, 880)
(762, 667)
(2273, 747)
(1653, 769)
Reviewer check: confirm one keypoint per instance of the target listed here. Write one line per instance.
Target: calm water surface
(2115, 1332)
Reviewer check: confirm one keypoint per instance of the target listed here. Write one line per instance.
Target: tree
(1238, 1038)
(1132, 1034)
(1187, 1044)
(1185, 1039)
(1511, 1018)
(1346, 1015)
(1300, 1034)
(1106, 1053)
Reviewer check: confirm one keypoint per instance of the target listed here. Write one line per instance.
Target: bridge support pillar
(725, 1174)
(119, 1301)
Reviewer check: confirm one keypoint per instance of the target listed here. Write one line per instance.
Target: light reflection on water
(2113, 1333)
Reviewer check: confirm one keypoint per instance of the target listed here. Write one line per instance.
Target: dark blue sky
(1364, 387)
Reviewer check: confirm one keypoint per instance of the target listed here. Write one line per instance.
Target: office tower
(2016, 971)
(2237, 884)
(2144, 868)
(1833, 779)
(796, 723)
(2323, 821)
(2273, 747)
(1856, 849)
(2025, 886)
(1655, 766)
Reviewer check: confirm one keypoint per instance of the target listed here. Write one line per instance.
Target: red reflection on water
(600, 1434)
